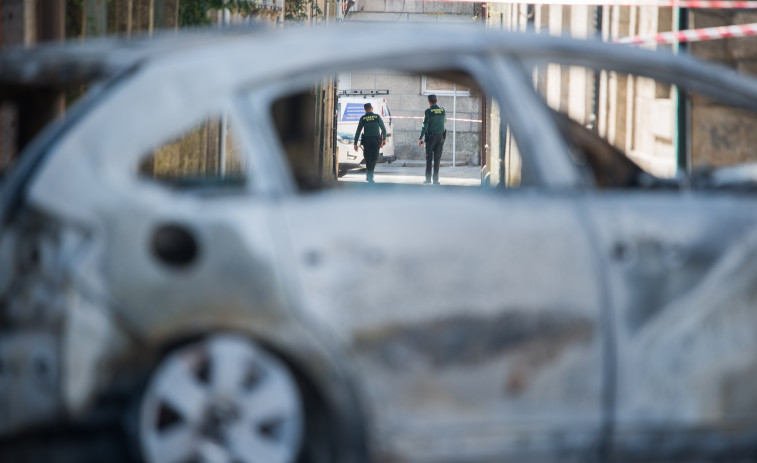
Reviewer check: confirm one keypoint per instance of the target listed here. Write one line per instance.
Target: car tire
(221, 398)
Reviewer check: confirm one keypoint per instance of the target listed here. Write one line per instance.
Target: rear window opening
(316, 126)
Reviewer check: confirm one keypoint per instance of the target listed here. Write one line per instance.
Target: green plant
(195, 12)
(298, 9)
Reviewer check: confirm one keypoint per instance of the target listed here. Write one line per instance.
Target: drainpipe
(224, 20)
(530, 16)
(683, 109)
(595, 93)
(483, 148)
(334, 124)
(454, 122)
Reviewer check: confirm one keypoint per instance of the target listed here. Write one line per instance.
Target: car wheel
(221, 399)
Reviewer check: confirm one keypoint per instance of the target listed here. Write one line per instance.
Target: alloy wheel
(221, 400)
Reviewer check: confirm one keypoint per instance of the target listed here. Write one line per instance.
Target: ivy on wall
(298, 9)
(192, 13)
(195, 12)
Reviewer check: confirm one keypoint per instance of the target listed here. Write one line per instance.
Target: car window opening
(316, 129)
(624, 130)
(206, 157)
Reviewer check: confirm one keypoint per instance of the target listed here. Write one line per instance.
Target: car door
(682, 275)
(681, 269)
(475, 317)
(166, 240)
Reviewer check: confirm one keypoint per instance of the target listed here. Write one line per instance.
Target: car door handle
(670, 255)
(623, 251)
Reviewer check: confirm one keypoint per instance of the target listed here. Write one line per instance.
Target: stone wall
(413, 11)
(636, 115)
(722, 135)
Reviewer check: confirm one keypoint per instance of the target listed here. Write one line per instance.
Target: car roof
(69, 64)
(226, 60)
(99, 58)
(72, 64)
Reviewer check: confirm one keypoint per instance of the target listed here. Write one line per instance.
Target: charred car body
(251, 322)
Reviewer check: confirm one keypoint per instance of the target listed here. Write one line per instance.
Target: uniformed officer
(374, 137)
(433, 129)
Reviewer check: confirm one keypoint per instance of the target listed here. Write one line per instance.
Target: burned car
(596, 312)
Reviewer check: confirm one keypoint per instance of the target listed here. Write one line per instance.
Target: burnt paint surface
(685, 323)
(468, 340)
(459, 337)
(683, 361)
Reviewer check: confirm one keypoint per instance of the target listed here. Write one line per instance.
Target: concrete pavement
(415, 175)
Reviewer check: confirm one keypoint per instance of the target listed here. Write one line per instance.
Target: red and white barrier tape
(449, 119)
(713, 4)
(693, 35)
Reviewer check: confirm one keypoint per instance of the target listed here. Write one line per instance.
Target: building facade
(637, 115)
(660, 128)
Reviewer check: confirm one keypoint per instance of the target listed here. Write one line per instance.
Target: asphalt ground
(456, 176)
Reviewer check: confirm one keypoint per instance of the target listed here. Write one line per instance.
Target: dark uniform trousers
(371, 146)
(434, 145)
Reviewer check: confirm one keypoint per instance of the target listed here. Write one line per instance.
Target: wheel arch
(336, 428)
